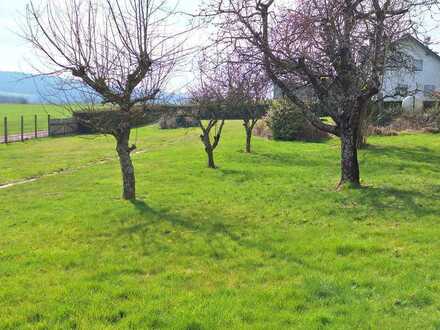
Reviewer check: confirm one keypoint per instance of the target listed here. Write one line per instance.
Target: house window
(429, 90)
(402, 89)
(418, 65)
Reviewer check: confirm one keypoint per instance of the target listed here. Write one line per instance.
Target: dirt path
(26, 136)
(68, 170)
(11, 184)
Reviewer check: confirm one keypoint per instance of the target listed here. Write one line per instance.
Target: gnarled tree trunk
(349, 160)
(127, 169)
(248, 140)
(208, 148)
(206, 139)
(249, 127)
(364, 119)
(210, 153)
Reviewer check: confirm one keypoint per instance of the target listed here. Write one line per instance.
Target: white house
(421, 80)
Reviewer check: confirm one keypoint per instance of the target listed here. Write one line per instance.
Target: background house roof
(409, 37)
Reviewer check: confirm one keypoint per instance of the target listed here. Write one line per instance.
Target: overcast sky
(12, 48)
(16, 55)
(14, 52)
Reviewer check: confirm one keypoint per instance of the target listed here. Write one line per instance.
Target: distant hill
(18, 87)
(13, 98)
(15, 90)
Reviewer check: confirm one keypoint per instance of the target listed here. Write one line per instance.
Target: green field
(14, 112)
(263, 242)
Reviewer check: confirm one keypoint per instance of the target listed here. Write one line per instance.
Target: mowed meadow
(14, 112)
(262, 242)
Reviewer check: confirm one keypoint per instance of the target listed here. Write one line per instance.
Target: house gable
(422, 81)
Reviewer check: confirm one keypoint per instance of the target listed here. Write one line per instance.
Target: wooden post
(48, 125)
(22, 128)
(35, 122)
(6, 129)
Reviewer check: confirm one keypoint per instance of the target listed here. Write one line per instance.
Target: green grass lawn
(263, 242)
(14, 112)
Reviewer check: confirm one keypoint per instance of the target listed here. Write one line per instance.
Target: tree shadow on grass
(414, 157)
(292, 159)
(389, 200)
(240, 176)
(208, 231)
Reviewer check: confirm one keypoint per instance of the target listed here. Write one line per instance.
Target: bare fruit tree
(231, 84)
(244, 86)
(211, 139)
(204, 93)
(122, 52)
(338, 49)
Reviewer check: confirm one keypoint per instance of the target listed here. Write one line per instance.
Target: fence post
(35, 120)
(22, 128)
(6, 129)
(48, 125)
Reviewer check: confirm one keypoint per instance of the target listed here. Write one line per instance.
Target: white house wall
(416, 81)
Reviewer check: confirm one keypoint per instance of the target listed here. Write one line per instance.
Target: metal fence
(27, 127)
(34, 127)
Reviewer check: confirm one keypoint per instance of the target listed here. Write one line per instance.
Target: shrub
(384, 116)
(381, 131)
(425, 120)
(286, 122)
(261, 129)
(172, 122)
